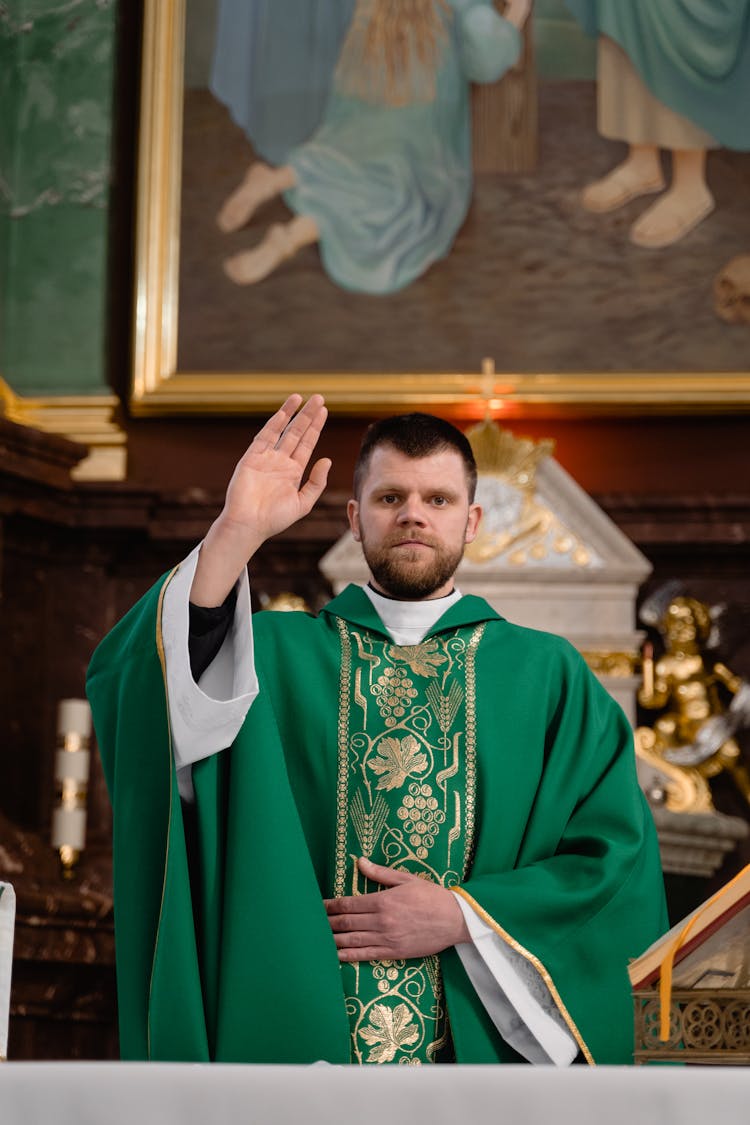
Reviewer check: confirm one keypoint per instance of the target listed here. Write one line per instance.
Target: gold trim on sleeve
(544, 974)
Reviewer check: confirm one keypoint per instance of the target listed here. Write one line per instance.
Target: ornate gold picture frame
(164, 381)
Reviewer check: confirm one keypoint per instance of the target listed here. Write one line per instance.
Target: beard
(408, 575)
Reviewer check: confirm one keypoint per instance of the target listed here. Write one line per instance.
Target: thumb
(376, 873)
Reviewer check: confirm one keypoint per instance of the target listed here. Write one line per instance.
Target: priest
(405, 831)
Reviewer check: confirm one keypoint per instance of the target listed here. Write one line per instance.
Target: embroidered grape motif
(421, 817)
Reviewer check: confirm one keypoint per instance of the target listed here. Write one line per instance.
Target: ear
(352, 512)
(472, 524)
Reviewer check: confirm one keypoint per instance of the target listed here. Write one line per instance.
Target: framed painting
(528, 301)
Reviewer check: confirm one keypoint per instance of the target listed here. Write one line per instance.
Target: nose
(412, 512)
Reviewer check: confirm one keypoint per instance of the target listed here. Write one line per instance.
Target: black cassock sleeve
(208, 628)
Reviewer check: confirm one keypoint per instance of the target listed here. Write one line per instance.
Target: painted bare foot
(254, 265)
(627, 181)
(258, 185)
(673, 216)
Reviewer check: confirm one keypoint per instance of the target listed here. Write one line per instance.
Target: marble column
(56, 83)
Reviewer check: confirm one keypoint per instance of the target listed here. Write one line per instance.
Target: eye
(440, 501)
(390, 498)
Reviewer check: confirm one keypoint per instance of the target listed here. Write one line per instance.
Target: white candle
(68, 830)
(69, 827)
(648, 670)
(74, 717)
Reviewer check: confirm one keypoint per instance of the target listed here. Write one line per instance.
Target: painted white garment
(7, 926)
(207, 716)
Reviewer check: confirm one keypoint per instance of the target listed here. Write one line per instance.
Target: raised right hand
(265, 496)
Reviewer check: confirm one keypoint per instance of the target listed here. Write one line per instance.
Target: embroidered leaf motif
(395, 759)
(390, 1030)
(423, 659)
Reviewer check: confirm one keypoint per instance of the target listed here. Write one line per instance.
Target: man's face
(413, 519)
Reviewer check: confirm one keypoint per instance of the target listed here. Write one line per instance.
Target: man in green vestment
(405, 831)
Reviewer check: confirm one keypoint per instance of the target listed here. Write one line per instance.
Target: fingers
(357, 936)
(313, 487)
(292, 431)
(367, 953)
(415, 920)
(370, 903)
(353, 904)
(290, 424)
(301, 435)
(359, 923)
(376, 873)
(299, 445)
(348, 926)
(361, 937)
(268, 436)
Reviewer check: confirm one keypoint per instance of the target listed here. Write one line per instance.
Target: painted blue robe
(273, 66)
(389, 186)
(693, 55)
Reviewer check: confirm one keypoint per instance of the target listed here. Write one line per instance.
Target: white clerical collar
(409, 622)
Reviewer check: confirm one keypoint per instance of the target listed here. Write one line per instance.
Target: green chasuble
(487, 758)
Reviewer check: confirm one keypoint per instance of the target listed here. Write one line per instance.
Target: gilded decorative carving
(516, 523)
(692, 738)
(620, 665)
(704, 1027)
(88, 419)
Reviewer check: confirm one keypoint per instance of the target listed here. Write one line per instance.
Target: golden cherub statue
(693, 737)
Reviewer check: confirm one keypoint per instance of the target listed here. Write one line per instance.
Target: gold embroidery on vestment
(368, 825)
(455, 831)
(471, 744)
(342, 785)
(403, 776)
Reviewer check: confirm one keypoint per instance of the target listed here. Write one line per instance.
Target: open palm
(264, 497)
(265, 494)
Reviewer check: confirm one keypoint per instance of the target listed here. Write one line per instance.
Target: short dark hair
(416, 435)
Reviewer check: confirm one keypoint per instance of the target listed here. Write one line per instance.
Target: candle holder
(71, 779)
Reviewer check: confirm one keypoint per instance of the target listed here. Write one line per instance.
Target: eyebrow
(436, 489)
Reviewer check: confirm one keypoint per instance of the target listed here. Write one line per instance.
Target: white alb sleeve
(515, 996)
(206, 716)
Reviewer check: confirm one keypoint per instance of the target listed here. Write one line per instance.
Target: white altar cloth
(183, 1094)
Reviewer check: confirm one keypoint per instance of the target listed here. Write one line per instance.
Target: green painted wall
(56, 80)
(7, 132)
